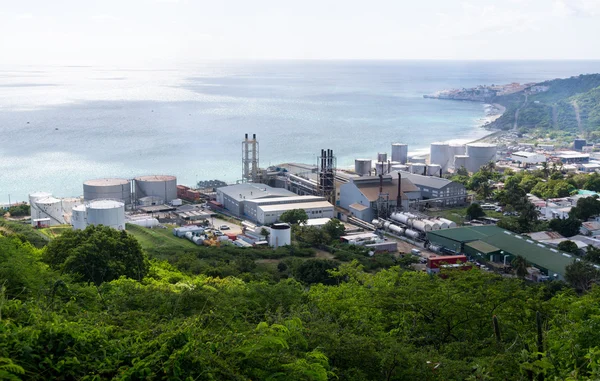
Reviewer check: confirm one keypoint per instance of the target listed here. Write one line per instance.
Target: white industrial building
(528, 157)
(233, 197)
(360, 195)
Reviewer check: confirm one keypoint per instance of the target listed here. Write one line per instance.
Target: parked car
(224, 227)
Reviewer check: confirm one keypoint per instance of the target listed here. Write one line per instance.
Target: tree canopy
(294, 216)
(97, 254)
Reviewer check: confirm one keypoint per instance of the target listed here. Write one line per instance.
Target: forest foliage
(394, 324)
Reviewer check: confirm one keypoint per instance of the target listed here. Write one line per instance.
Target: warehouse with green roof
(498, 245)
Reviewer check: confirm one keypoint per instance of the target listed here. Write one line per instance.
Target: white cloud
(577, 8)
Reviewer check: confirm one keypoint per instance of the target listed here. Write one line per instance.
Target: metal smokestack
(246, 136)
(399, 197)
(380, 184)
(440, 172)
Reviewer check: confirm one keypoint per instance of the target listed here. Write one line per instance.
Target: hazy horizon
(173, 31)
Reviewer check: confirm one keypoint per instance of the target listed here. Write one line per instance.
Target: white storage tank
(33, 197)
(115, 189)
(363, 166)
(144, 222)
(451, 224)
(78, 217)
(457, 149)
(461, 161)
(434, 225)
(418, 159)
(106, 212)
(418, 168)
(443, 225)
(383, 169)
(50, 207)
(401, 217)
(480, 154)
(434, 170)
(439, 153)
(400, 152)
(162, 186)
(281, 235)
(382, 157)
(397, 229)
(420, 226)
(411, 233)
(400, 167)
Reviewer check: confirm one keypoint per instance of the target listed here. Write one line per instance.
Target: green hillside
(555, 110)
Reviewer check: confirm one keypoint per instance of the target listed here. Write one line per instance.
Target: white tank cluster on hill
(109, 213)
(472, 156)
(53, 211)
(143, 190)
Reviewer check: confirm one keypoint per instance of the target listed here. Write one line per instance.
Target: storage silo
(480, 154)
(418, 159)
(78, 217)
(363, 166)
(460, 161)
(439, 153)
(418, 168)
(382, 157)
(434, 170)
(115, 189)
(382, 168)
(281, 235)
(162, 186)
(50, 207)
(33, 197)
(400, 152)
(400, 167)
(458, 149)
(106, 212)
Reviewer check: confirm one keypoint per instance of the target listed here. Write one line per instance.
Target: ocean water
(61, 125)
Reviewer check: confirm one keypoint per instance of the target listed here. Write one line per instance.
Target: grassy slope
(160, 242)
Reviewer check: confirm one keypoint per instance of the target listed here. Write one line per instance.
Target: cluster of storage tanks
(201, 236)
(144, 190)
(56, 211)
(109, 213)
(398, 161)
(412, 226)
(472, 156)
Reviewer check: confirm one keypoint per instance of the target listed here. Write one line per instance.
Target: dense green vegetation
(18, 210)
(394, 324)
(555, 109)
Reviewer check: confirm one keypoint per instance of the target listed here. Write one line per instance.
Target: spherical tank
(281, 235)
(418, 168)
(106, 212)
(161, 186)
(115, 189)
(440, 154)
(434, 170)
(50, 207)
(382, 157)
(363, 166)
(33, 197)
(400, 152)
(480, 154)
(461, 161)
(78, 217)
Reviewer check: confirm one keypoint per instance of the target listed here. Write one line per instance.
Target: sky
(82, 32)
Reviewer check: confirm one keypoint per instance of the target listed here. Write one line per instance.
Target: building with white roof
(233, 197)
(528, 157)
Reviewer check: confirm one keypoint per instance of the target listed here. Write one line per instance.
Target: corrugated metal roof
(482, 247)
(433, 182)
(371, 190)
(250, 191)
(468, 233)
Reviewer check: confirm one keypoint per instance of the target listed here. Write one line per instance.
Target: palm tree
(484, 190)
(520, 265)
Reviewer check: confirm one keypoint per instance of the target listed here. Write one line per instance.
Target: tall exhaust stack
(249, 159)
(399, 199)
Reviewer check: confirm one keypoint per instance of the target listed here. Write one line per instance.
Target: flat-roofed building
(233, 197)
(528, 157)
(270, 213)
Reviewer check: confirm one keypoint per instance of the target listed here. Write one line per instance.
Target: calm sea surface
(62, 125)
